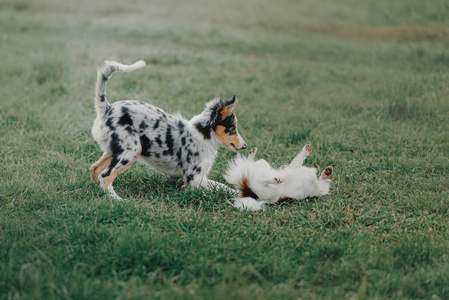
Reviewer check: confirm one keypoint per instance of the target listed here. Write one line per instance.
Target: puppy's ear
(228, 108)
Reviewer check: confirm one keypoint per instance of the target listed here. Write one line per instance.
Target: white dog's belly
(300, 183)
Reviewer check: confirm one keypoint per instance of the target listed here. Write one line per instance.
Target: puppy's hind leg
(100, 166)
(119, 164)
(299, 159)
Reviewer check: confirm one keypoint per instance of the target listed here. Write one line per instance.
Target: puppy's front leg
(209, 185)
(213, 186)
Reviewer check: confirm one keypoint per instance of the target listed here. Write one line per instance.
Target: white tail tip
(139, 64)
(126, 68)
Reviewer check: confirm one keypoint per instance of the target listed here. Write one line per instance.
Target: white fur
(269, 185)
(248, 203)
(126, 68)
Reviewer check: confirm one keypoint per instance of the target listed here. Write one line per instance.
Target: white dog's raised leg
(299, 159)
(326, 173)
(252, 154)
(324, 182)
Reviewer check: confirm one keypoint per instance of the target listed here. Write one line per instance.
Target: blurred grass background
(365, 83)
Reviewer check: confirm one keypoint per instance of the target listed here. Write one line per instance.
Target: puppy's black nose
(243, 147)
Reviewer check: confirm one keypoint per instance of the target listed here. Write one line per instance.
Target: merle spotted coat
(127, 130)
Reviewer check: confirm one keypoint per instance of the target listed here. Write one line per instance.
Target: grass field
(366, 83)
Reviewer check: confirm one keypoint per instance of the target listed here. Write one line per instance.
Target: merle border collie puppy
(128, 130)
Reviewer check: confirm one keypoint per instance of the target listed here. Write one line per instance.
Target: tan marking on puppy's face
(230, 141)
(226, 127)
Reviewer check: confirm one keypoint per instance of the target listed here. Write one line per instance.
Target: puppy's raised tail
(103, 75)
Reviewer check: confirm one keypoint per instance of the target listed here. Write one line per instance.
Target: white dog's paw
(327, 172)
(274, 180)
(279, 180)
(252, 153)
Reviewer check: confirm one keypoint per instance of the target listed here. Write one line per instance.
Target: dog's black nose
(243, 147)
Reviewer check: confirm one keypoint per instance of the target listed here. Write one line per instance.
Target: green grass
(364, 82)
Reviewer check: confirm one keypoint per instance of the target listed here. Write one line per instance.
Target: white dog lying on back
(259, 184)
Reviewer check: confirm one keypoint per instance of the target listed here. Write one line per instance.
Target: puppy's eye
(231, 131)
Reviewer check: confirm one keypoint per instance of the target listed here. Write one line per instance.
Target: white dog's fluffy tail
(103, 75)
(237, 174)
(237, 170)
